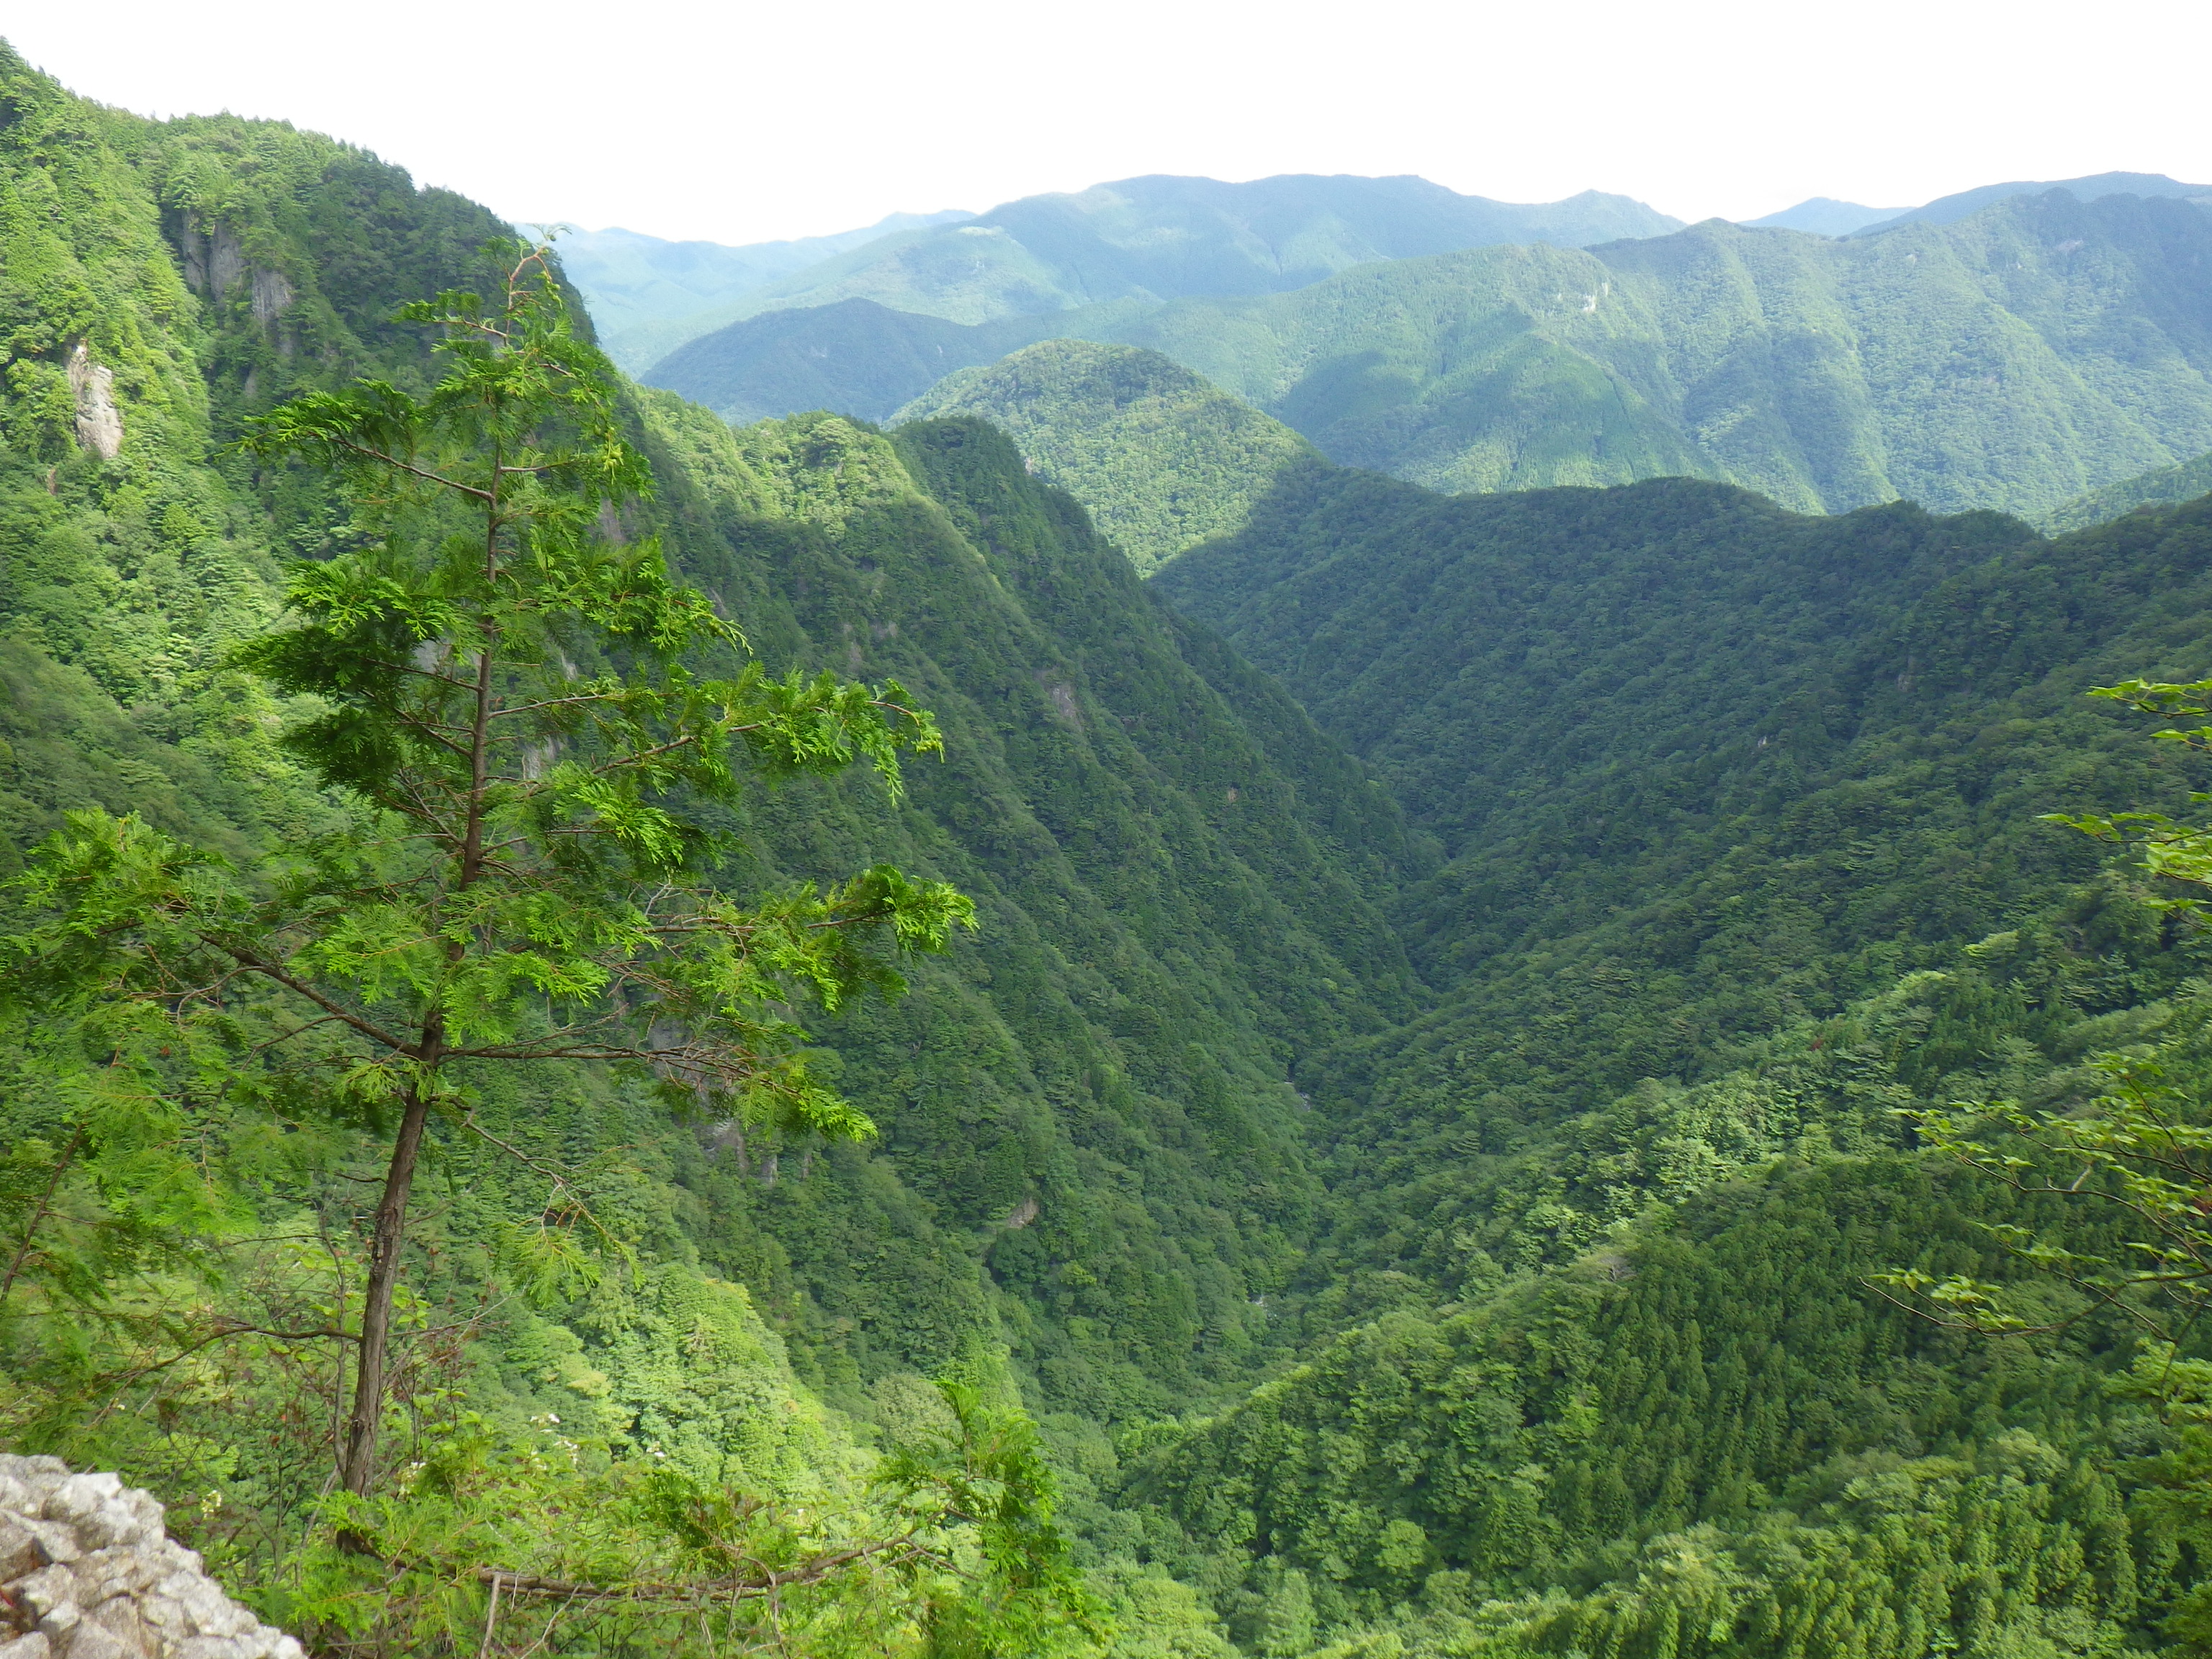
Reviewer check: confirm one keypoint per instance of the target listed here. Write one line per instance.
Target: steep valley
(1420, 1134)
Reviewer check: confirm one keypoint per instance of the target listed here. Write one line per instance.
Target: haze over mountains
(2015, 347)
(1414, 1144)
(647, 296)
(1145, 239)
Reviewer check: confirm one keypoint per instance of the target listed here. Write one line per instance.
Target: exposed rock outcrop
(87, 1570)
(99, 423)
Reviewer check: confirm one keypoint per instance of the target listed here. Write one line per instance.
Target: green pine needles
(502, 686)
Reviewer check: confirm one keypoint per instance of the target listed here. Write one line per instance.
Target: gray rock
(50, 1595)
(90, 1561)
(116, 1618)
(91, 1641)
(112, 1572)
(56, 1541)
(19, 1550)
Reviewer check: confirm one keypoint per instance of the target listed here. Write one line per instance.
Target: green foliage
(1159, 459)
(1966, 364)
(2165, 485)
(1162, 846)
(1687, 848)
(1177, 879)
(2141, 1146)
(1455, 1237)
(853, 356)
(517, 891)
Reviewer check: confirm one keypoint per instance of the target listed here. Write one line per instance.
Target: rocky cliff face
(87, 1570)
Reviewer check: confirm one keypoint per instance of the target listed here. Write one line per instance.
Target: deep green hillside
(1160, 458)
(161, 281)
(1167, 925)
(1773, 766)
(1159, 237)
(2043, 346)
(1114, 810)
(2168, 484)
(1752, 773)
(1484, 651)
(1403, 1259)
(1092, 1160)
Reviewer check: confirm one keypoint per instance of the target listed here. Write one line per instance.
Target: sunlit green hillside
(1160, 458)
(1415, 1160)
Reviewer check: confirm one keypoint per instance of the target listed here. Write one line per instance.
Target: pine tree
(506, 695)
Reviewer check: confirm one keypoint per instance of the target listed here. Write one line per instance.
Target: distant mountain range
(1949, 209)
(1167, 237)
(1824, 215)
(1148, 239)
(648, 295)
(2035, 350)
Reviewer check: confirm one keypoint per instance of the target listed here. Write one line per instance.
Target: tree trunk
(357, 1458)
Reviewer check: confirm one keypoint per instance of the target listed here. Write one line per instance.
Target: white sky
(744, 121)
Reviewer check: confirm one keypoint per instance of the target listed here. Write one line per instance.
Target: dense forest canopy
(1161, 459)
(1490, 1017)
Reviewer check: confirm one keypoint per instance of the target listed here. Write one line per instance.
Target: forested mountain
(1947, 209)
(2162, 487)
(1092, 1160)
(1160, 458)
(2041, 348)
(1416, 1136)
(1823, 216)
(649, 295)
(854, 356)
(1710, 797)
(863, 333)
(1162, 237)
(938, 562)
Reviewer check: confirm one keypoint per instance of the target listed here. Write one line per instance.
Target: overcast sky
(743, 122)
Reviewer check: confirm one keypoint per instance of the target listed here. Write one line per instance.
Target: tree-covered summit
(1160, 458)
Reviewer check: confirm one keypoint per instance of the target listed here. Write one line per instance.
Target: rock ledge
(87, 1570)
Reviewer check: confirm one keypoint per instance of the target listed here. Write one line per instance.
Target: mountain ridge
(1430, 1205)
(1947, 209)
(647, 294)
(1160, 458)
(1163, 236)
(2036, 350)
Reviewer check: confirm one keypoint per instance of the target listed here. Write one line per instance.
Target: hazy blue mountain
(1824, 215)
(854, 356)
(1949, 209)
(648, 295)
(1165, 237)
